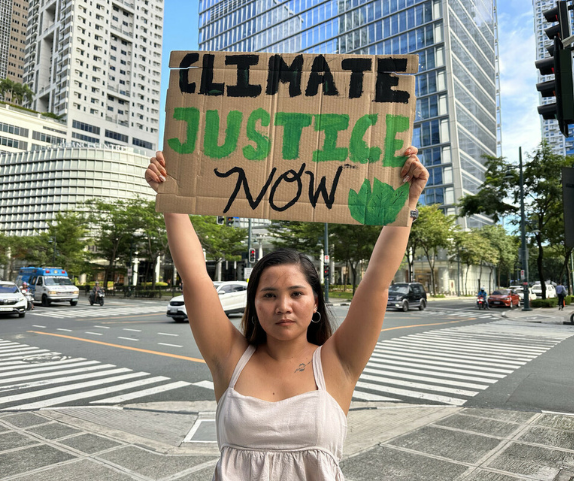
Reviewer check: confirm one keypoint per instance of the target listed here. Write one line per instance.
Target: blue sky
(519, 99)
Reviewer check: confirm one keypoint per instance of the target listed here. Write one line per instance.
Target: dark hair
(317, 333)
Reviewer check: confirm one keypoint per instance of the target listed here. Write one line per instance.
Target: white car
(520, 292)
(12, 301)
(550, 290)
(232, 295)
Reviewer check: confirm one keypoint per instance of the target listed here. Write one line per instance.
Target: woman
(284, 385)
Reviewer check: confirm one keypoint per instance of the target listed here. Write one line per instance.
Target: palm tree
(6, 87)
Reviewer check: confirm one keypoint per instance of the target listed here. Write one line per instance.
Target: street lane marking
(367, 396)
(422, 325)
(144, 392)
(101, 327)
(67, 330)
(205, 384)
(130, 348)
(388, 369)
(30, 368)
(58, 380)
(412, 394)
(166, 344)
(418, 385)
(448, 382)
(134, 330)
(128, 338)
(167, 334)
(11, 352)
(36, 325)
(86, 394)
(94, 333)
(445, 370)
(125, 317)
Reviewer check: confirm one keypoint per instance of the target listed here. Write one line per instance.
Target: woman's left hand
(415, 173)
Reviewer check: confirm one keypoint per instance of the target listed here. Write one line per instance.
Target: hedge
(568, 300)
(553, 302)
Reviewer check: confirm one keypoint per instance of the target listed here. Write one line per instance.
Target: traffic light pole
(523, 246)
(248, 243)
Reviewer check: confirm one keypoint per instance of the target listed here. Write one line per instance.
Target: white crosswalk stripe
(97, 311)
(450, 365)
(31, 378)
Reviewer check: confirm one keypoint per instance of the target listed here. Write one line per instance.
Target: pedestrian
(284, 383)
(561, 293)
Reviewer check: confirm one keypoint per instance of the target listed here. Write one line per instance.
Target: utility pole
(523, 247)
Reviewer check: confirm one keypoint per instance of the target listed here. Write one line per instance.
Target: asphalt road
(129, 351)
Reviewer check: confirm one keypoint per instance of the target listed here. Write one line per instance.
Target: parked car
(520, 292)
(550, 290)
(232, 295)
(404, 295)
(503, 298)
(12, 301)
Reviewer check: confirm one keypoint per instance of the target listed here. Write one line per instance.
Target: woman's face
(284, 302)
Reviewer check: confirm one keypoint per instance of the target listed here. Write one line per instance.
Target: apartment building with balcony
(98, 64)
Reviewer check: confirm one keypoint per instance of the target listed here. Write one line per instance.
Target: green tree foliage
(66, 239)
(17, 91)
(219, 241)
(433, 230)
(543, 198)
(304, 237)
(506, 247)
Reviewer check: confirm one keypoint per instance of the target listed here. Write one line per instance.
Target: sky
(518, 75)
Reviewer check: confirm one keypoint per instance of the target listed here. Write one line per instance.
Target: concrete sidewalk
(385, 441)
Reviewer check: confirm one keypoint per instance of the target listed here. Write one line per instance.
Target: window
(142, 143)
(86, 127)
(116, 136)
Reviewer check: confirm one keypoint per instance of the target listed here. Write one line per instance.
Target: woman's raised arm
(214, 334)
(355, 339)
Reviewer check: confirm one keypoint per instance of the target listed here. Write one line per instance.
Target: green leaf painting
(379, 206)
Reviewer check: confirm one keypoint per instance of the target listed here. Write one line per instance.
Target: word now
(279, 71)
(293, 124)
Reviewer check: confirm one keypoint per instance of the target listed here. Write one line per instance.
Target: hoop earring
(313, 318)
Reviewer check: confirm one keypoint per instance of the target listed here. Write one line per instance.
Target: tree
(468, 248)
(543, 197)
(113, 226)
(353, 244)
(433, 230)
(67, 238)
(506, 247)
(302, 236)
(219, 241)
(7, 86)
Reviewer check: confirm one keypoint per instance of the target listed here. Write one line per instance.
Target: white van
(550, 290)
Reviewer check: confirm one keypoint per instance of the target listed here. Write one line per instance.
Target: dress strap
(318, 369)
(241, 364)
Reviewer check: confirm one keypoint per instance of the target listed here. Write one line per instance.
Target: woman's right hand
(156, 173)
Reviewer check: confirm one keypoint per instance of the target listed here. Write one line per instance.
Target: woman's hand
(156, 173)
(416, 173)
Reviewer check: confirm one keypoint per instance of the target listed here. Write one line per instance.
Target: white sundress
(299, 438)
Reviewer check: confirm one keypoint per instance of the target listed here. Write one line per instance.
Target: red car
(503, 298)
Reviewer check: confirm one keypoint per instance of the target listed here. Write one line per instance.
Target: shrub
(438, 296)
(568, 300)
(553, 302)
(157, 284)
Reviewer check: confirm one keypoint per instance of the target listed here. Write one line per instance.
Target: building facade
(38, 184)
(550, 131)
(13, 22)
(458, 115)
(98, 64)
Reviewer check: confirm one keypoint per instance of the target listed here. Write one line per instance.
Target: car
(503, 298)
(404, 295)
(48, 285)
(232, 295)
(12, 301)
(550, 290)
(520, 291)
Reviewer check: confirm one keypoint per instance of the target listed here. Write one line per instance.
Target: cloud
(518, 78)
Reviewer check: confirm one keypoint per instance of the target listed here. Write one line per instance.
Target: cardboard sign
(303, 137)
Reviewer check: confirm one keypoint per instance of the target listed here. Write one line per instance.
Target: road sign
(522, 274)
(327, 258)
(247, 272)
(130, 272)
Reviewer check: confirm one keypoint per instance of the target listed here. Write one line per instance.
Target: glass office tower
(458, 111)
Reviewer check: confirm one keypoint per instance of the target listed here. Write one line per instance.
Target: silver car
(12, 301)
(232, 295)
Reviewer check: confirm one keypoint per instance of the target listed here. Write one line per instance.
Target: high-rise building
(13, 21)
(550, 130)
(98, 63)
(458, 113)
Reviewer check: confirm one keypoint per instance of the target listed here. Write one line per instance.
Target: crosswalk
(98, 311)
(33, 378)
(451, 365)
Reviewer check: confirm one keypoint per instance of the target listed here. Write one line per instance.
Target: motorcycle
(97, 297)
(481, 303)
(29, 299)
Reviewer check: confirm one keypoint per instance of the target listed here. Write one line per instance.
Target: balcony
(128, 34)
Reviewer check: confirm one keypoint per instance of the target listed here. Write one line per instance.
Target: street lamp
(523, 246)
